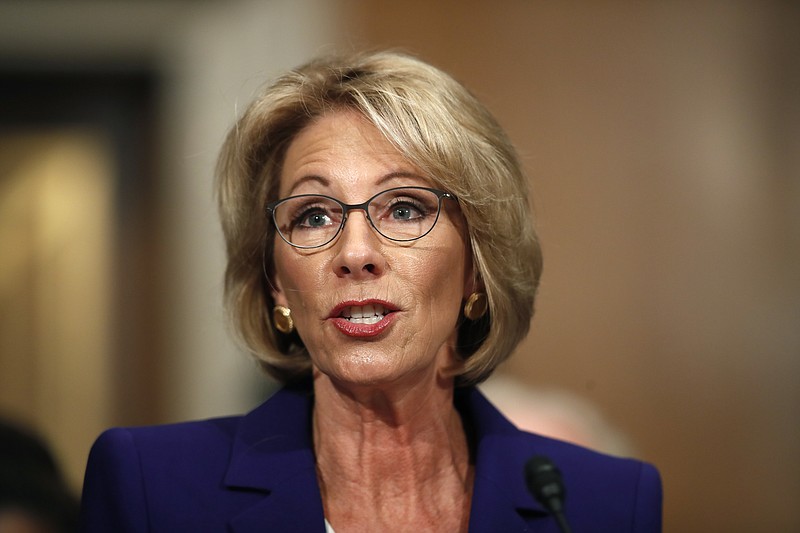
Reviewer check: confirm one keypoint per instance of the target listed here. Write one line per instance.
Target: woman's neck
(391, 455)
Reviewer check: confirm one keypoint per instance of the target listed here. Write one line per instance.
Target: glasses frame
(364, 206)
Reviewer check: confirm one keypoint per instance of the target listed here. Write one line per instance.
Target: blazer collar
(273, 453)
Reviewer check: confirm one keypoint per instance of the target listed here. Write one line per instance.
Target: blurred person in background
(382, 261)
(556, 413)
(33, 495)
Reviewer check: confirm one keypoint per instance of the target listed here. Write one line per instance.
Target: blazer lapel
(272, 453)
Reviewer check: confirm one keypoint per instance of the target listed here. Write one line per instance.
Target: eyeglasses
(400, 214)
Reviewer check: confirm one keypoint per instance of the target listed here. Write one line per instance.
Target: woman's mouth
(364, 314)
(363, 319)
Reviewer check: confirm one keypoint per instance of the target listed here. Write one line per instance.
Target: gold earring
(476, 306)
(282, 318)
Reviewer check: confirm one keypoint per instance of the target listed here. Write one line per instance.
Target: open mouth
(364, 314)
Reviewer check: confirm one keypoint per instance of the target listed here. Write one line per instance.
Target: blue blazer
(256, 473)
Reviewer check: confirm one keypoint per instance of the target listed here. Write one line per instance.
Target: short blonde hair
(440, 127)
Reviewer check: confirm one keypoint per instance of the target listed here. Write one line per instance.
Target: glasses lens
(307, 221)
(404, 214)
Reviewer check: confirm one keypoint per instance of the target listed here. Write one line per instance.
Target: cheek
(300, 282)
(440, 281)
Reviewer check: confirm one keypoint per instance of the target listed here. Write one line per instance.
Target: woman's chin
(369, 372)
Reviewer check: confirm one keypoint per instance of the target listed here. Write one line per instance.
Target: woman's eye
(405, 212)
(315, 218)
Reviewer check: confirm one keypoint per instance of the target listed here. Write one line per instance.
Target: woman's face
(415, 288)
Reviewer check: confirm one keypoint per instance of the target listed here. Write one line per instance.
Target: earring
(282, 318)
(476, 306)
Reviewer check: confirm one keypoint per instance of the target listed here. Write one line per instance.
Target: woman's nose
(358, 249)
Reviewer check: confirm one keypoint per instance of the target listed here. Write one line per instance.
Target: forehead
(342, 151)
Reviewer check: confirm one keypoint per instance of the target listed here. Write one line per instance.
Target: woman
(381, 262)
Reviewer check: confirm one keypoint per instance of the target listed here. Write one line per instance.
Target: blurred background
(662, 140)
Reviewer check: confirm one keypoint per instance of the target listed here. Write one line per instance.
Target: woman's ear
(475, 286)
(472, 279)
(276, 290)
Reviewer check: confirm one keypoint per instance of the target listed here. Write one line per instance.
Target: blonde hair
(440, 127)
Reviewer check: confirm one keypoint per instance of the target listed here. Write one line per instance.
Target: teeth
(364, 314)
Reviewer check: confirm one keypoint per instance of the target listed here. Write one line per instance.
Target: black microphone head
(545, 483)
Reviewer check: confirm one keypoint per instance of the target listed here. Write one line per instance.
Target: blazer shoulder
(169, 447)
(136, 477)
(198, 431)
(627, 491)
(604, 492)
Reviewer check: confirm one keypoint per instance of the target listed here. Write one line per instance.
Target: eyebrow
(325, 182)
(309, 178)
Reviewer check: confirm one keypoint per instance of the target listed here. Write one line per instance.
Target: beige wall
(55, 287)
(662, 142)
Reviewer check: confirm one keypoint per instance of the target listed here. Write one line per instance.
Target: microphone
(545, 483)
